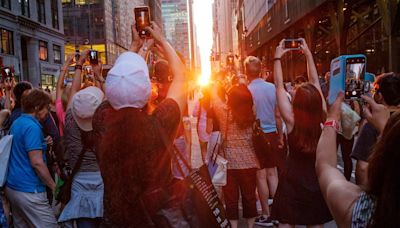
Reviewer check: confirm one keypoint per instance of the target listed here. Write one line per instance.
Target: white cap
(84, 104)
(128, 82)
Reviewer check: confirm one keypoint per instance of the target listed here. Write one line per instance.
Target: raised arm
(312, 71)
(177, 90)
(77, 81)
(9, 86)
(339, 194)
(64, 71)
(284, 105)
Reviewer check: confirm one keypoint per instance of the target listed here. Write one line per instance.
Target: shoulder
(167, 109)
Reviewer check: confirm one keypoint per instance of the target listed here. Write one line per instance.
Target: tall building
(223, 37)
(329, 32)
(102, 25)
(155, 8)
(175, 14)
(32, 39)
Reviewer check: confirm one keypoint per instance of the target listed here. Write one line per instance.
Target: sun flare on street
(202, 11)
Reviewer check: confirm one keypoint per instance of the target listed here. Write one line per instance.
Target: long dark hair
(240, 102)
(384, 177)
(308, 116)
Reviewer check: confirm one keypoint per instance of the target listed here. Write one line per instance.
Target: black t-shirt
(132, 159)
(367, 138)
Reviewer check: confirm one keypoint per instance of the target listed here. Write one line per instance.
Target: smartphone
(348, 75)
(355, 78)
(292, 44)
(94, 57)
(77, 56)
(142, 18)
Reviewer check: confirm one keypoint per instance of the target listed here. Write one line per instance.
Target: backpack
(5, 149)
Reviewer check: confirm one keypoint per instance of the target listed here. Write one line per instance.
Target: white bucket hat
(84, 104)
(128, 83)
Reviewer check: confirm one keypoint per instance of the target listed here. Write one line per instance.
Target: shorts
(272, 155)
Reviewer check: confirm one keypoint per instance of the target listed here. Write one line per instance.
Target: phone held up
(293, 44)
(142, 19)
(348, 75)
(94, 57)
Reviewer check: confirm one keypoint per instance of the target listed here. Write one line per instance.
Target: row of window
(44, 52)
(41, 12)
(7, 47)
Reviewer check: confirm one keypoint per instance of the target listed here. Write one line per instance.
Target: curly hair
(36, 100)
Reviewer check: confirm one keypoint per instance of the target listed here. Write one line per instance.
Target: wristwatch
(332, 123)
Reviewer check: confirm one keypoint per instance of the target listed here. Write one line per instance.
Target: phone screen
(292, 44)
(142, 18)
(355, 73)
(94, 57)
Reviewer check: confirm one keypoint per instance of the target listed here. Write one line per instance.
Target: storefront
(49, 74)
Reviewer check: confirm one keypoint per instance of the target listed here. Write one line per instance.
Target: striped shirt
(363, 210)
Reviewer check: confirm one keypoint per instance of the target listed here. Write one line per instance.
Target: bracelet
(333, 124)
(277, 59)
(78, 67)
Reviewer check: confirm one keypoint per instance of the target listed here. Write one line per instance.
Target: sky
(202, 11)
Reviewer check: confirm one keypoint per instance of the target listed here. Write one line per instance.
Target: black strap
(169, 145)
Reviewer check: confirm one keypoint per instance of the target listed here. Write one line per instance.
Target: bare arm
(339, 194)
(36, 159)
(77, 81)
(284, 105)
(177, 90)
(9, 86)
(60, 82)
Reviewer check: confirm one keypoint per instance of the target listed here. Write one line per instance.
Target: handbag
(5, 150)
(192, 202)
(218, 165)
(64, 185)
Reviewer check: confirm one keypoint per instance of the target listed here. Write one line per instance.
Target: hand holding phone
(142, 19)
(293, 44)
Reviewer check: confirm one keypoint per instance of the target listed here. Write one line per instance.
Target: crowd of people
(105, 138)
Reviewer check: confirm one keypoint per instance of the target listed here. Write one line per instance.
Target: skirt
(86, 197)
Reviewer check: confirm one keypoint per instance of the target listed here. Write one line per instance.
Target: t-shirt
(365, 143)
(61, 116)
(74, 146)
(27, 136)
(132, 158)
(264, 98)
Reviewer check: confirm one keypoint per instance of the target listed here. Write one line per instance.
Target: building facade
(223, 11)
(331, 29)
(32, 39)
(176, 25)
(102, 25)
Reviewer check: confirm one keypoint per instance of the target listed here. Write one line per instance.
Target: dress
(298, 199)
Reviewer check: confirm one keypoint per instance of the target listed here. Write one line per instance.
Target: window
(57, 53)
(25, 7)
(43, 52)
(6, 42)
(66, 2)
(41, 11)
(5, 4)
(54, 13)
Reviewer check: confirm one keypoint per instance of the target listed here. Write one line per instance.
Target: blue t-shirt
(27, 136)
(264, 98)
